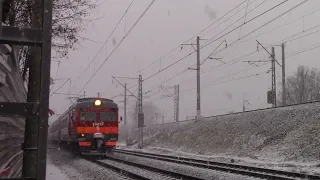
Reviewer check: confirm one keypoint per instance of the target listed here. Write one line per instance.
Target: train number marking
(97, 124)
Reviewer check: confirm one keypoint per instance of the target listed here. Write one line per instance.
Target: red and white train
(90, 124)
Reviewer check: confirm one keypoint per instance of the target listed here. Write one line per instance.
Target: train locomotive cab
(90, 125)
(97, 126)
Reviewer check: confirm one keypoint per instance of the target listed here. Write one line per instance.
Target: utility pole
(284, 90)
(197, 49)
(272, 95)
(125, 110)
(176, 103)
(138, 106)
(136, 124)
(273, 76)
(198, 79)
(84, 94)
(140, 114)
(125, 94)
(98, 95)
(175, 97)
(125, 104)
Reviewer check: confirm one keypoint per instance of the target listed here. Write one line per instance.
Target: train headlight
(97, 102)
(82, 135)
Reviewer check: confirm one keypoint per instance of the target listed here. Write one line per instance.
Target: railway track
(127, 169)
(139, 171)
(226, 167)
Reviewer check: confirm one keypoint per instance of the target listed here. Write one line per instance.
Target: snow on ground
(69, 166)
(54, 173)
(285, 138)
(293, 166)
(184, 169)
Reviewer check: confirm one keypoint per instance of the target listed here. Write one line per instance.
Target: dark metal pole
(31, 136)
(284, 98)
(125, 103)
(31, 133)
(177, 103)
(140, 114)
(274, 94)
(45, 87)
(198, 79)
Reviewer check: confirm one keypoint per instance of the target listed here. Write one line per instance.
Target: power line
(132, 27)
(204, 73)
(300, 36)
(257, 74)
(239, 58)
(280, 26)
(169, 65)
(187, 69)
(281, 41)
(239, 19)
(251, 53)
(178, 47)
(114, 29)
(245, 70)
(60, 87)
(180, 73)
(263, 13)
(305, 50)
(260, 28)
(107, 88)
(219, 38)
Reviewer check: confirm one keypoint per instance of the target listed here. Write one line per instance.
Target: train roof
(86, 103)
(89, 102)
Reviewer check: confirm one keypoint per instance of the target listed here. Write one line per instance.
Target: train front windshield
(108, 116)
(88, 116)
(93, 116)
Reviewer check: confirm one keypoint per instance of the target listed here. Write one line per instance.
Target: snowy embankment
(12, 129)
(286, 136)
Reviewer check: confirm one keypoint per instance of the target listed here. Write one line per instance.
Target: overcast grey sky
(166, 25)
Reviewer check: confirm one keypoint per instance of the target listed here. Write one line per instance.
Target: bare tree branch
(303, 86)
(69, 17)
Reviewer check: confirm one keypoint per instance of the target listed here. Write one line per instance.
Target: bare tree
(68, 20)
(303, 86)
(151, 114)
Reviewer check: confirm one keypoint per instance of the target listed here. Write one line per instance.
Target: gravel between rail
(76, 168)
(200, 173)
(109, 167)
(232, 168)
(129, 170)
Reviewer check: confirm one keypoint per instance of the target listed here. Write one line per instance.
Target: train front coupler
(99, 140)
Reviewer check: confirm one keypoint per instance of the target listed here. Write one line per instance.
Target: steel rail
(116, 169)
(228, 167)
(154, 169)
(95, 160)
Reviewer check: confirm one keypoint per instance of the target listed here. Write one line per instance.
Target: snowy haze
(166, 25)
